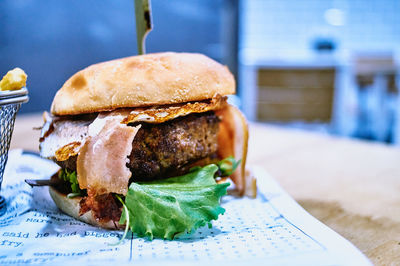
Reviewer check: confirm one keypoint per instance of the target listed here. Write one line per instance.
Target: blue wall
(51, 40)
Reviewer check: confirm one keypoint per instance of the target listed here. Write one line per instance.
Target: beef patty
(163, 150)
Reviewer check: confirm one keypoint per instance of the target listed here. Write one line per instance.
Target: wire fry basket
(10, 102)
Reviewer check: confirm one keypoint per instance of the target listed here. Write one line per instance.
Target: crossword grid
(256, 232)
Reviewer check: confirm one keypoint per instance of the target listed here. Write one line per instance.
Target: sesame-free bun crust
(144, 80)
(72, 206)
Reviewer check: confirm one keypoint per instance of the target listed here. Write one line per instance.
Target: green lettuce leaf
(228, 165)
(169, 207)
(70, 177)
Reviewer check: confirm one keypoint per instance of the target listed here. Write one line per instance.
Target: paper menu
(271, 229)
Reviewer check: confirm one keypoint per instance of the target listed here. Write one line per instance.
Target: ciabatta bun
(144, 80)
(71, 207)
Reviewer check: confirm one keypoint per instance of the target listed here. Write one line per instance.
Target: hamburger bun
(164, 86)
(71, 207)
(144, 80)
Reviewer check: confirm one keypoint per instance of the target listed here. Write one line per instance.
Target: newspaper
(271, 229)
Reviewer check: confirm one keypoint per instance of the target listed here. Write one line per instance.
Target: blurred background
(326, 66)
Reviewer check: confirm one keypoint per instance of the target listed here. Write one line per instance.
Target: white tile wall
(284, 28)
(281, 32)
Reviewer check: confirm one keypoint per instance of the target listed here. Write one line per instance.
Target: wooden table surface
(351, 186)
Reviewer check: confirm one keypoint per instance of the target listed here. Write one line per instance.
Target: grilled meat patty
(162, 150)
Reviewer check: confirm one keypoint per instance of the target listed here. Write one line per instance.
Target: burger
(147, 143)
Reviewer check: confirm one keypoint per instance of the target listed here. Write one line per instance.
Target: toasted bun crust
(144, 80)
(71, 207)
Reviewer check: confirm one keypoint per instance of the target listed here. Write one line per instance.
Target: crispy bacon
(59, 133)
(232, 141)
(101, 163)
(161, 114)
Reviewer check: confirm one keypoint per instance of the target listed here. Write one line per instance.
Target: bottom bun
(72, 206)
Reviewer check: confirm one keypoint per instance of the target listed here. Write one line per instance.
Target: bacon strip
(59, 133)
(232, 141)
(62, 138)
(101, 163)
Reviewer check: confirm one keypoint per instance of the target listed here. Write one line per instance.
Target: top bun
(144, 80)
